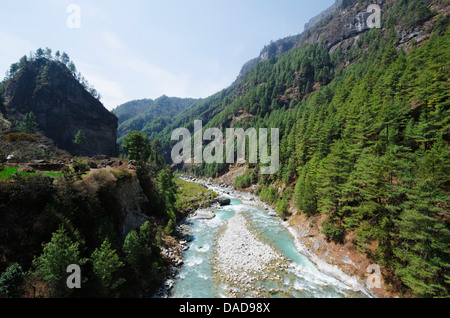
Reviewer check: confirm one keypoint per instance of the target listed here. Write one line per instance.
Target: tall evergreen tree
(106, 267)
(52, 264)
(137, 146)
(80, 138)
(29, 124)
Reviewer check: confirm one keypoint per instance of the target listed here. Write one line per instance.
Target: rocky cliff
(62, 107)
(313, 31)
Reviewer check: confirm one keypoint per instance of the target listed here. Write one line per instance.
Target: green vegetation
(143, 260)
(106, 265)
(11, 172)
(192, 196)
(364, 145)
(137, 146)
(371, 152)
(57, 255)
(49, 223)
(247, 179)
(45, 57)
(11, 281)
(29, 124)
(80, 138)
(150, 116)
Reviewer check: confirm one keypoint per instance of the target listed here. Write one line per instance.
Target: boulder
(223, 200)
(202, 215)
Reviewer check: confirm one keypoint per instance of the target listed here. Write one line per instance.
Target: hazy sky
(146, 48)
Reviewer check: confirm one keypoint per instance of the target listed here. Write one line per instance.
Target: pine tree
(65, 59)
(106, 267)
(57, 255)
(80, 138)
(137, 146)
(29, 124)
(306, 187)
(11, 281)
(167, 190)
(423, 251)
(142, 258)
(332, 175)
(40, 53)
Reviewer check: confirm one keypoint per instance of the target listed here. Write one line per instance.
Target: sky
(140, 49)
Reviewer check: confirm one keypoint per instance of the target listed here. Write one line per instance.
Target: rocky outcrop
(223, 200)
(330, 27)
(62, 107)
(324, 14)
(132, 200)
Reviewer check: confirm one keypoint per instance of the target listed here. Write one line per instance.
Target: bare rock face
(331, 27)
(62, 107)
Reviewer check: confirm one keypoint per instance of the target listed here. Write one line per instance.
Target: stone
(92, 165)
(223, 200)
(27, 169)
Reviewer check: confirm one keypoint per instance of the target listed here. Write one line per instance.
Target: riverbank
(340, 261)
(195, 201)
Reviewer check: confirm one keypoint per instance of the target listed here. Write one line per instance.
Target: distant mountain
(132, 109)
(62, 105)
(150, 116)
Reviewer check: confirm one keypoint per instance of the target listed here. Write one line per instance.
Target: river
(245, 251)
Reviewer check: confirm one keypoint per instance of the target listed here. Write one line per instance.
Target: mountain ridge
(148, 115)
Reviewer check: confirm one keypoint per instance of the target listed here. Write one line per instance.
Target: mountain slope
(150, 116)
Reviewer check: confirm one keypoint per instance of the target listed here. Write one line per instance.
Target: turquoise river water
(300, 279)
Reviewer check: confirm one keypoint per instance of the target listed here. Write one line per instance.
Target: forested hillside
(150, 116)
(364, 137)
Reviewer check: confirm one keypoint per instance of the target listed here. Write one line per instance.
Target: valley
(347, 197)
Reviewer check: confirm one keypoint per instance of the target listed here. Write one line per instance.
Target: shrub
(246, 180)
(282, 209)
(333, 232)
(11, 281)
(68, 174)
(242, 182)
(122, 174)
(170, 227)
(79, 166)
(13, 137)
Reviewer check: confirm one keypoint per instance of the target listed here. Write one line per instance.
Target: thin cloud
(158, 80)
(112, 40)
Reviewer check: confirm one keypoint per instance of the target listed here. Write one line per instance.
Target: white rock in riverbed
(241, 256)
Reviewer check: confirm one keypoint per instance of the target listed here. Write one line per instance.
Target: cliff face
(62, 107)
(339, 26)
(332, 26)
